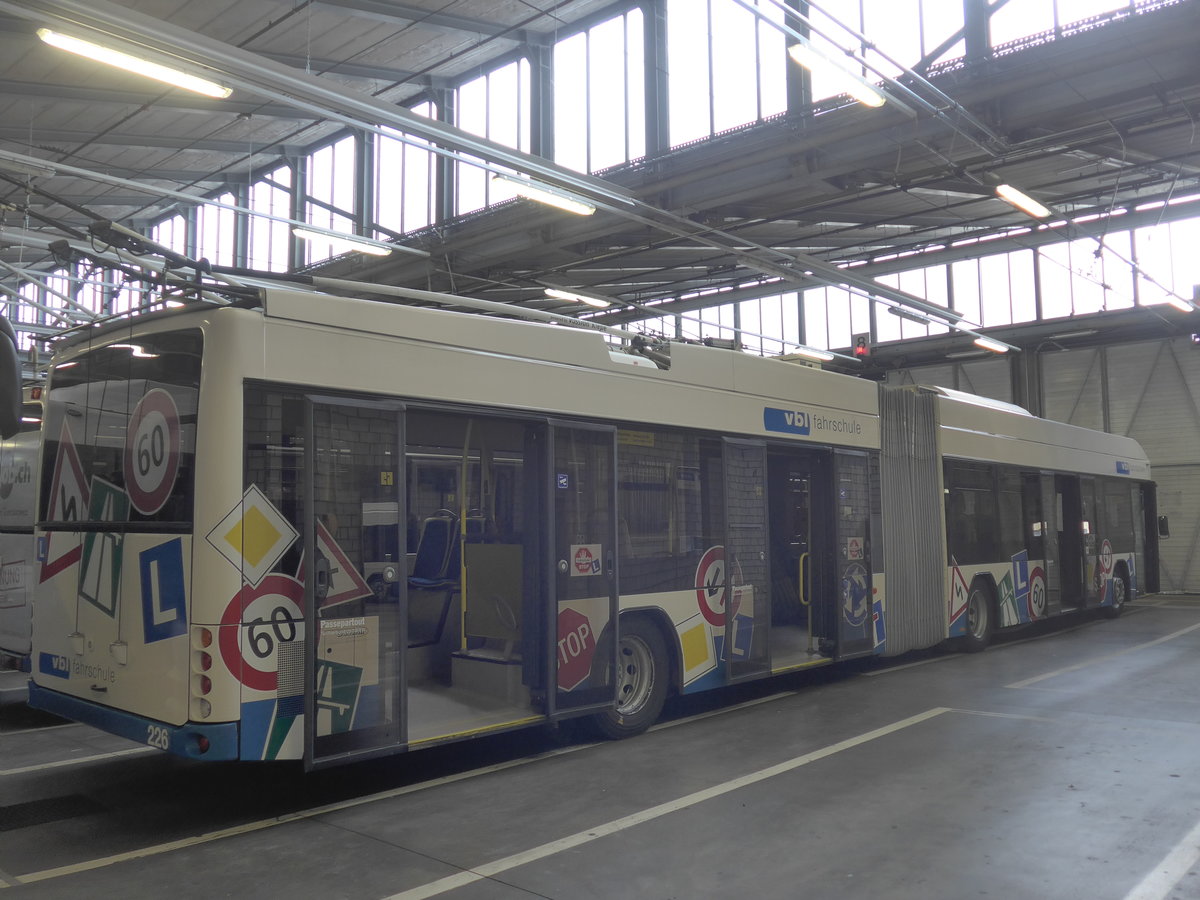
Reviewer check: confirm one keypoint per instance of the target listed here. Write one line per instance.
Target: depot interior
(996, 197)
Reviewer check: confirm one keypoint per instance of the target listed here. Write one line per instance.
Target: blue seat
(434, 579)
(436, 562)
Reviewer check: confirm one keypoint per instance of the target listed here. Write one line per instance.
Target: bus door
(583, 534)
(353, 660)
(1089, 527)
(747, 642)
(1068, 585)
(801, 596)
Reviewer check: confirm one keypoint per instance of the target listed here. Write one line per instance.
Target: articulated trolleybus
(311, 527)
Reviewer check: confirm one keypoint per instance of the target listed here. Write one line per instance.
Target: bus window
(970, 513)
(665, 520)
(1011, 519)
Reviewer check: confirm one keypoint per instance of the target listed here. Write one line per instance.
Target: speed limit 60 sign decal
(256, 621)
(151, 459)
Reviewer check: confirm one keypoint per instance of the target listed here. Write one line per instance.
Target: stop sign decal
(576, 647)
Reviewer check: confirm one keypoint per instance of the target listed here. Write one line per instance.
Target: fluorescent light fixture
(1022, 201)
(1087, 332)
(844, 81)
(546, 195)
(590, 300)
(988, 344)
(812, 353)
(134, 64)
(346, 243)
(908, 316)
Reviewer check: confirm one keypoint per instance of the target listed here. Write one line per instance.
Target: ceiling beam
(20, 134)
(406, 14)
(356, 70)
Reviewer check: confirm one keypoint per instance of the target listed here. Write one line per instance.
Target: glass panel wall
(405, 181)
(216, 232)
(726, 67)
(603, 67)
(330, 198)
(269, 240)
(494, 106)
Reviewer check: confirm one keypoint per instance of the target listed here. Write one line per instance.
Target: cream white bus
(303, 526)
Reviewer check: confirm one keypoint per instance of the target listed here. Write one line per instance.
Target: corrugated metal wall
(1149, 391)
(1149, 399)
(913, 529)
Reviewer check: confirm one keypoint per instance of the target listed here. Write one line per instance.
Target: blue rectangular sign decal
(788, 421)
(1122, 467)
(164, 613)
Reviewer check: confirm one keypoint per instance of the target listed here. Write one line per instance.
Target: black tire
(642, 678)
(981, 617)
(1120, 588)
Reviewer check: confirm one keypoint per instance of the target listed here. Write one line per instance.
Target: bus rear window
(120, 433)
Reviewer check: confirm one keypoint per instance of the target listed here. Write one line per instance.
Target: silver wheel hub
(635, 675)
(977, 615)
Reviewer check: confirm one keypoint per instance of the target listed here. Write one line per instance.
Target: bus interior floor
(436, 710)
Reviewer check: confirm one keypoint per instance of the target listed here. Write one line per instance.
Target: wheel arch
(658, 618)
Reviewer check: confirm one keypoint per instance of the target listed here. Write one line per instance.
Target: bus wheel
(1120, 589)
(980, 621)
(642, 676)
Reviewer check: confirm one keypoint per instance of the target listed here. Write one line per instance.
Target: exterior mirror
(1164, 527)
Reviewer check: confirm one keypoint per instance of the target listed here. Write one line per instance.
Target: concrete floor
(1060, 763)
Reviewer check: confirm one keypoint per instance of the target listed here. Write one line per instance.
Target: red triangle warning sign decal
(69, 498)
(344, 582)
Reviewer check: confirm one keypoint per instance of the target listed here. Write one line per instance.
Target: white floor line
(1100, 659)
(169, 846)
(1161, 881)
(24, 770)
(488, 870)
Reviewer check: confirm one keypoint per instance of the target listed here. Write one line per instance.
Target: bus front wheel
(980, 617)
(642, 676)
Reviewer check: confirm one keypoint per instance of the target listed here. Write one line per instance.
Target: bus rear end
(111, 642)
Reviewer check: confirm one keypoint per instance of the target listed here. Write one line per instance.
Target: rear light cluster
(202, 639)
